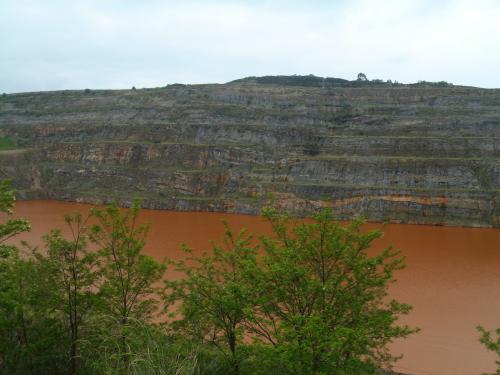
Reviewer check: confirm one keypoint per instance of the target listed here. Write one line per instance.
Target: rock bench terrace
(399, 153)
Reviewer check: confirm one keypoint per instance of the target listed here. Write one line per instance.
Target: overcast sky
(76, 44)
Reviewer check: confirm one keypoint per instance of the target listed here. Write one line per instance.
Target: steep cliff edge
(401, 153)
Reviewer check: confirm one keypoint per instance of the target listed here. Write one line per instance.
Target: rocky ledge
(421, 153)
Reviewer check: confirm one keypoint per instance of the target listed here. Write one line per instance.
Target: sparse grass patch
(7, 143)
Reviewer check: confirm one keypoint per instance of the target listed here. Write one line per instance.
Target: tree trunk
(232, 348)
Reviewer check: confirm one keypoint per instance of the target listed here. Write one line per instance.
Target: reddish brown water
(452, 278)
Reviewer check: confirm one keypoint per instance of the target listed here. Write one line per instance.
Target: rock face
(400, 153)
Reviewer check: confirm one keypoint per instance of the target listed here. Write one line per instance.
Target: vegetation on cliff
(6, 143)
(306, 300)
(315, 81)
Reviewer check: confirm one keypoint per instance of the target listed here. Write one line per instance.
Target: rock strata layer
(412, 154)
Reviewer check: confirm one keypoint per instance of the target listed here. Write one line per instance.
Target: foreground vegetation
(306, 300)
(491, 340)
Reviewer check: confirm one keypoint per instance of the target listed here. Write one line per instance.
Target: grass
(6, 143)
(401, 188)
(452, 137)
(91, 141)
(361, 158)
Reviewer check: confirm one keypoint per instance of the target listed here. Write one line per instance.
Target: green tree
(71, 271)
(29, 333)
(491, 343)
(32, 338)
(215, 294)
(323, 301)
(362, 77)
(10, 227)
(128, 290)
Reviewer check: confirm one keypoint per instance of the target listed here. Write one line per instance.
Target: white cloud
(58, 44)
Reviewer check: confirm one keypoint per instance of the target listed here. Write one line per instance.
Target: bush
(491, 340)
(314, 303)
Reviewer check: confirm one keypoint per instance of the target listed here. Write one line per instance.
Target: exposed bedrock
(413, 154)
